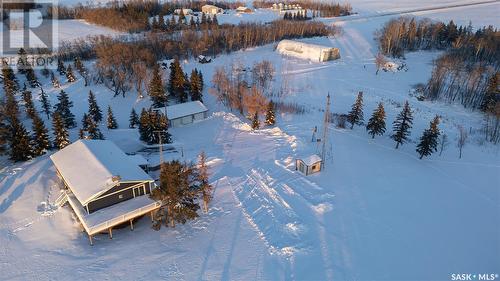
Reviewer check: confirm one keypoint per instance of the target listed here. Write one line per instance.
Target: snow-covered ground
(374, 213)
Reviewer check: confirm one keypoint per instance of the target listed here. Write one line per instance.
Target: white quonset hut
(103, 185)
(186, 113)
(308, 165)
(307, 51)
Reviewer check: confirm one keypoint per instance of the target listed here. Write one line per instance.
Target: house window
(314, 167)
(120, 196)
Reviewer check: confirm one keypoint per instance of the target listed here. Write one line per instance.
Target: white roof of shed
(310, 160)
(89, 166)
(185, 109)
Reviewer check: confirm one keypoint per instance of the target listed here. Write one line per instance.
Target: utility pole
(161, 146)
(326, 122)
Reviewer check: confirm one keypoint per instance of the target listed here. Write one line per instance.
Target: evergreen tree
(85, 122)
(355, 116)
(176, 82)
(429, 140)
(94, 109)
(9, 77)
(4, 131)
(195, 86)
(94, 133)
(206, 188)
(28, 103)
(55, 81)
(402, 125)
(255, 121)
(41, 141)
(81, 134)
(270, 116)
(60, 67)
(145, 131)
(150, 124)
(134, 119)
(70, 75)
(31, 77)
(376, 124)
(22, 61)
(156, 90)
(63, 108)
(45, 103)
(492, 95)
(45, 72)
(177, 193)
(159, 123)
(61, 137)
(111, 124)
(20, 142)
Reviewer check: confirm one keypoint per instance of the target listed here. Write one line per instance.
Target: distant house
(186, 113)
(313, 52)
(211, 9)
(104, 186)
(184, 11)
(309, 165)
(242, 9)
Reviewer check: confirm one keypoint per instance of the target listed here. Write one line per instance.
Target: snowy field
(374, 213)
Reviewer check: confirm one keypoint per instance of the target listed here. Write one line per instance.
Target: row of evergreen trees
(182, 187)
(179, 85)
(19, 143)
(160, 24)
(401, 126)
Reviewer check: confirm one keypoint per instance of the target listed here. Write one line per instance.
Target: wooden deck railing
(124, 218)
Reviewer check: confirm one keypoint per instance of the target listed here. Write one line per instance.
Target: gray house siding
(118, 194)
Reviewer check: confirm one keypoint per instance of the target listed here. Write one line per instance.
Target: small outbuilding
(211, 9)
(186, 113)
(307, 51)
(243, 9)
(308, 165)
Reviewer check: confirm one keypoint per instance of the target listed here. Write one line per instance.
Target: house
(184, 11)
(242, 9)
(186, 113)
(313, 52)
(103, 185)
(204, 59)
(211, 9)
(309, 165)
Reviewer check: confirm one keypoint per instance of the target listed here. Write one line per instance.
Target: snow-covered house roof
(311, 160)
(138, 159)
(185, 109)
(91, 167)
(313, 52)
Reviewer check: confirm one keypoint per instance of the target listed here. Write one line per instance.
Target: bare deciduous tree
(462, 139)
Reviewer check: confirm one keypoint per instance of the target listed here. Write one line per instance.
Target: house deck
(105, 219)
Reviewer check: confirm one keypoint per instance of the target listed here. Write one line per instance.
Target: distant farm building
(308, 165)
(211, 9)
(186, 113)
(184, 11)
(104, 186)
(243, 10)
(313, 52)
